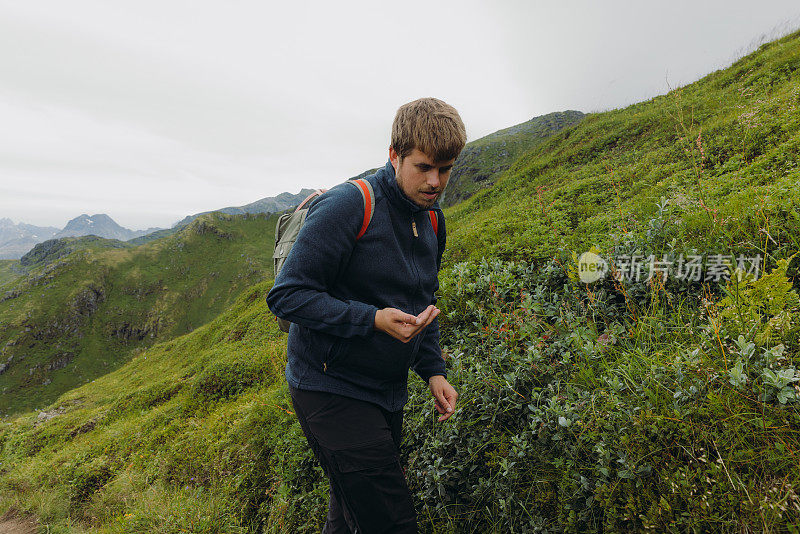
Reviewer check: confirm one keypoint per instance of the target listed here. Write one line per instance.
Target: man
(363, 313)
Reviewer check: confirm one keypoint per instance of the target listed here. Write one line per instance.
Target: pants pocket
(366, 457)
(374, 488)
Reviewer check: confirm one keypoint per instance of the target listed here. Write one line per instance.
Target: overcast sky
(152, 110)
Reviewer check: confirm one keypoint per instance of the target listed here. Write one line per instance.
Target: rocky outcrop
(128, 332)
(204, 227)
(86, 301)
(61, 361)
(47, 251)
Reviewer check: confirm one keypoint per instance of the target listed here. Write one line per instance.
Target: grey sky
(151, 110)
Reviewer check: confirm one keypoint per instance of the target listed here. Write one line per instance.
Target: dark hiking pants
(357, 443)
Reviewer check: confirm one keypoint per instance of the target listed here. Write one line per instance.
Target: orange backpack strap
(434, 221)
(368, 195)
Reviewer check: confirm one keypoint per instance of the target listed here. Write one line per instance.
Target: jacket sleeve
(322, 249)
(429, 360)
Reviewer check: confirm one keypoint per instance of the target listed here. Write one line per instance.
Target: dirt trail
(13, 523)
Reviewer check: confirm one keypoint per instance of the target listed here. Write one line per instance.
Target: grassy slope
(626, 430)
(606, 175)
(133, 449)
(82, 315)
(6, 272)
(158, 234)
(484, 159)
(50, 251)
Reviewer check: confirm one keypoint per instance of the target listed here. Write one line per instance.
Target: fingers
(443, 406)
(404, 326)
(404, 318)
(444, 417)
(442, 402)
(426, 317)
(445, 396)
(423, 317)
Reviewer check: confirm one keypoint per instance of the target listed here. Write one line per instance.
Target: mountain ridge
(274, 204)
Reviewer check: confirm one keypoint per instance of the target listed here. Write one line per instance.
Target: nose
(432, 178)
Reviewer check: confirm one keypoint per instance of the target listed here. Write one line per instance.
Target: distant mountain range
(18, 239)
(265, 205)
(100, 225)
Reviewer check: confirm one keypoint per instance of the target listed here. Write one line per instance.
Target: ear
(394, 157)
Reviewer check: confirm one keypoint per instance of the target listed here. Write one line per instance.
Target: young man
(363, 313)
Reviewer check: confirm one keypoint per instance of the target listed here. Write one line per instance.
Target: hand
(445, 396)
(401, 325)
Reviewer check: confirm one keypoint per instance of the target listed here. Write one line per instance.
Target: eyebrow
(429, 166)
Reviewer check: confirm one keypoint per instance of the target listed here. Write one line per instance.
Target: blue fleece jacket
(331, 285)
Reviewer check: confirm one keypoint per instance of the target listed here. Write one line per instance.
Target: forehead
(418, 157)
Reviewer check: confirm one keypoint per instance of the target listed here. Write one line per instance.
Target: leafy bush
(609, 407)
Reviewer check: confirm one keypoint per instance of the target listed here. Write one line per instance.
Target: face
(419, 177)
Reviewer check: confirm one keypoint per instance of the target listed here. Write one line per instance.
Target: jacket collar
(388, 181)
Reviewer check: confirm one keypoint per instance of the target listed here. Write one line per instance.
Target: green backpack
(289, 225)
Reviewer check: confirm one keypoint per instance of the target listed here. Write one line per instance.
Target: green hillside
(158, 234)
(7, 272)
(482, 161)
(138, 448)
(664, 404)
(723, 152)
(87, 303)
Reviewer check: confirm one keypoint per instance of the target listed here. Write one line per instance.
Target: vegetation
(660, 404)
(483, 160)
(7, 272)
(722, 152)
(86, 303)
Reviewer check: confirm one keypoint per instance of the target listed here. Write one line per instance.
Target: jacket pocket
(334, 351)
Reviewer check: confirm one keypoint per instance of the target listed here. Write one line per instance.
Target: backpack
(289, 224)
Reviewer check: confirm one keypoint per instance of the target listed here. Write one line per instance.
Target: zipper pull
(414, 228)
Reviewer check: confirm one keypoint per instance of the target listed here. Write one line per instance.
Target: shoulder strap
(309, 197)
(434, 221)
(368, 195)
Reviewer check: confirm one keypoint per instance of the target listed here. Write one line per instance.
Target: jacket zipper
(418, 339)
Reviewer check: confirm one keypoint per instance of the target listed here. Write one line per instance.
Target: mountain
(53, 249)
(100, 225)
(83, 304)
(17, 239)
(265, 205)
(482, 161)
(625, 405)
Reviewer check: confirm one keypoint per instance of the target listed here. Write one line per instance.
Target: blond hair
(430, 125)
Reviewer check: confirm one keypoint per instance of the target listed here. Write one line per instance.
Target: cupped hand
(401, 325)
